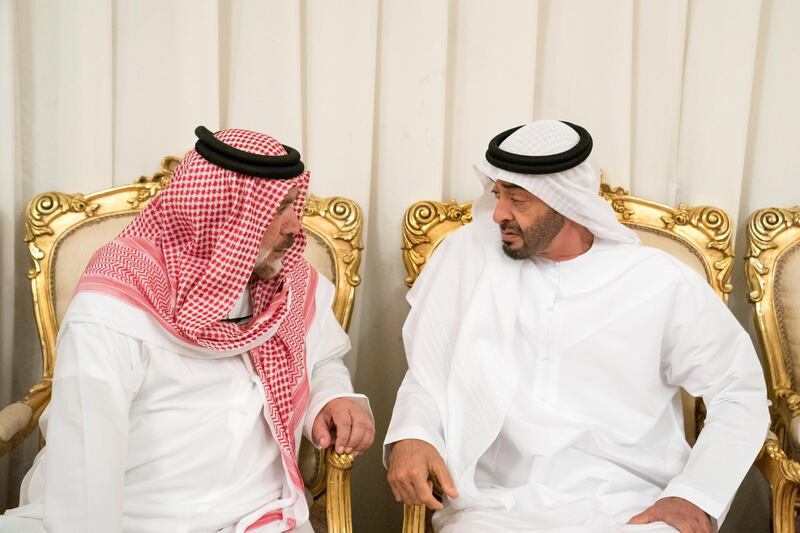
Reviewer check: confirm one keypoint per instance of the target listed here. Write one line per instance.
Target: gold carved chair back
(772, 268)
(64, 230)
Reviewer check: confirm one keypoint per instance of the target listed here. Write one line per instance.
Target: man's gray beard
(538, 237)
(266, 270)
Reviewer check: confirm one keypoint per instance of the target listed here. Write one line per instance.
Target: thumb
(642, 518)
(445, 480)
(320, 431)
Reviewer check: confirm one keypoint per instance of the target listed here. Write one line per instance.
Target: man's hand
(411, 462)
(681, 514)
(344, 422)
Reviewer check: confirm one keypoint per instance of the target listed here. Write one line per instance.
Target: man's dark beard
(537, 237)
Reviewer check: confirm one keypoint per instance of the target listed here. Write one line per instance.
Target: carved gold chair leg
(340, 518)
(783, 475)
(414, 518)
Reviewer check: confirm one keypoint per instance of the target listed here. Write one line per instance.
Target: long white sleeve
(326, 344)
(708, 353)
(96, 376)
(415, 416)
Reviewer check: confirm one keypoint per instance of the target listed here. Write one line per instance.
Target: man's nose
(501, 212)
(292, 225)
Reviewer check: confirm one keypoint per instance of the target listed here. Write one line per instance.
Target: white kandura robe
(146, 435)
(556, 404)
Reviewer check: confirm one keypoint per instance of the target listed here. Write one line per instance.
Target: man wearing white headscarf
(546, 348)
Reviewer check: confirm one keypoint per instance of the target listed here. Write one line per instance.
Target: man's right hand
(411, 463)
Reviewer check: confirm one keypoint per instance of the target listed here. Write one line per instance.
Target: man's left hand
(346, 423)
(681, 514)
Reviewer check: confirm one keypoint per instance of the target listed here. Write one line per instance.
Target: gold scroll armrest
(19, 419)
(783, 475)
(340, 519)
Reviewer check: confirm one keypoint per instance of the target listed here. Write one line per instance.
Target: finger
(445, 480)
(396, 494)
(320, 432)
(344, 425)
(369, 438)
(642, 518)
(407, 493)
(424, 494)
(394, 482)
(406, 485)
(356, 435)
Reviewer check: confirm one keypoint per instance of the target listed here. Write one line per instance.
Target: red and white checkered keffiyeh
(186, 259)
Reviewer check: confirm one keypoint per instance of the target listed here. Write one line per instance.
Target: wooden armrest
(340, 519)
(19, 419)
(783, 475)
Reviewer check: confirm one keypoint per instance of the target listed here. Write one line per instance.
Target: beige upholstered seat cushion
(787, 308)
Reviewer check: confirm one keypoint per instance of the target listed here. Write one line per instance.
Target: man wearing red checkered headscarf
(198, 349)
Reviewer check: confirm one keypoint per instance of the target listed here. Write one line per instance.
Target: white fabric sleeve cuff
(411, 432)
(317, 405)
(711, 506)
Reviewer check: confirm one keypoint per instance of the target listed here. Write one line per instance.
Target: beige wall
(390, 101)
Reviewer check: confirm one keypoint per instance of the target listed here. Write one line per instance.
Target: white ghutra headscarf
(572, 192)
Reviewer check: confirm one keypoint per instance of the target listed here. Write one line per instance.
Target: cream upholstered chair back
(63, 232)
(772, 267)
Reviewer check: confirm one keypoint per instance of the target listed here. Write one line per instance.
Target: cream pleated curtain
(389, 101)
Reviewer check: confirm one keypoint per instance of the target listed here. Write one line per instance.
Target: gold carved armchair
(772, 268)
(701, 237)
(64, 230)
